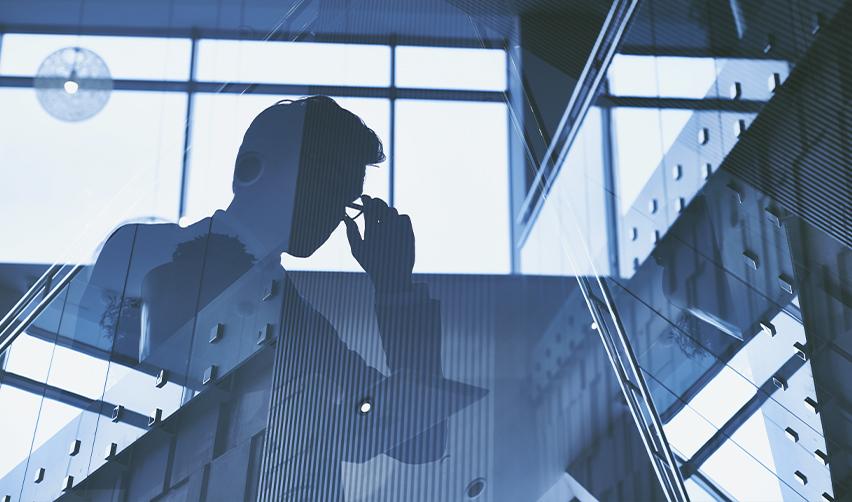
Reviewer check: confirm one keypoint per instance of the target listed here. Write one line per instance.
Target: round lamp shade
(73, 84)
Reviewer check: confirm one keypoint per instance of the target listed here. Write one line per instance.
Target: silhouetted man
(299, 166)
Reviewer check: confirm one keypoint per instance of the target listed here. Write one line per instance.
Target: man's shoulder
(121, 240)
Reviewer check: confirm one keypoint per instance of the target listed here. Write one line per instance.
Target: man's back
(150, 280)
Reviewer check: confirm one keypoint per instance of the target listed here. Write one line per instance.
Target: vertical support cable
(187, 131)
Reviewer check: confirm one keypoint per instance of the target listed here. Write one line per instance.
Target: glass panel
(453, 184)
(19, 425)
(144, 58)
(461, 380)
(28, 418)
(153, 331)
(293, 63)
(451, 68)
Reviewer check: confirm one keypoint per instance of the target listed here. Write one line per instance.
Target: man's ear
(248, 169)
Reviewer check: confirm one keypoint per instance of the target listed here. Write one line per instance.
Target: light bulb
(71, 87)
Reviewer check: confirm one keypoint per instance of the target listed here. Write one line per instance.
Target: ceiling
(457, 19)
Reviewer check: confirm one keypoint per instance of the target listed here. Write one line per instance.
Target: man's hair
(331, 136)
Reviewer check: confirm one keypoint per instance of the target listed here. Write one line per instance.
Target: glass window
(641, 138)
(293, 63)
(681, 77)
(143, 58)
(638, 151)
(124, 163)
(219, 122)
(451, 68)
(661, 76)
(452, 178)
(632, 76)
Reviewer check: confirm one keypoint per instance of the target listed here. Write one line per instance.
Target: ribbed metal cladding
(301, 458)
(337, 349)
(797, 150)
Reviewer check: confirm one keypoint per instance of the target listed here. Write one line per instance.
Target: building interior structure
(632, 218)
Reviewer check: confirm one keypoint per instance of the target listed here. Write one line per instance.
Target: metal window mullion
(610, 189)
(392, 125)
(187, 130)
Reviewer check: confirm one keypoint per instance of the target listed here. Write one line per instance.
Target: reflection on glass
(236, 327)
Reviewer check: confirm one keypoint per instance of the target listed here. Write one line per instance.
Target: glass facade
(427, 252)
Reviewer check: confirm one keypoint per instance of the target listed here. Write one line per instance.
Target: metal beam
(90, 350)
(690, 52)
(283, 89)
(764, 392)
(708, 104)
(187, 130)
(64, 396)
(226, 34)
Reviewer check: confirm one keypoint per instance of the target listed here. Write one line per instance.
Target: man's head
(321, 146)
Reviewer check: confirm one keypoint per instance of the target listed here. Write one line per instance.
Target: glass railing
(125, 345)
(709, 278)
(500, 385)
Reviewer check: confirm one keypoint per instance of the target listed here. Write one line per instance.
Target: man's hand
(387, 250)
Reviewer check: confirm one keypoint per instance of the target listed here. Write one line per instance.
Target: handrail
(28, 297)
(636, 393)
(10, 331)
